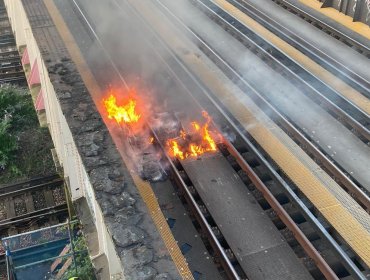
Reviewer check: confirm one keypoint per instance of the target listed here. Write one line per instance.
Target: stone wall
(127, 238)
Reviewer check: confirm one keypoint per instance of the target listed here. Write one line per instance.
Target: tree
(16, 113)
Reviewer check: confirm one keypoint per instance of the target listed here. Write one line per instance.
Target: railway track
(335, 33)
(22, 201)
(30, 205)
(293, 130)
(6, 53)
(220, 249)
(11, 70)
(211, 235)
(269, 186)
(321, 93)
(348, 75)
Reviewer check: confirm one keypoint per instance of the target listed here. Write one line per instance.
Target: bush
(22, 141)
(8, 144)
(16, 108)
(15, 112)
(85, 270)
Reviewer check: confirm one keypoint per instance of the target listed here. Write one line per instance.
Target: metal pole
(66, 193)
(72, 245)
(7, 264)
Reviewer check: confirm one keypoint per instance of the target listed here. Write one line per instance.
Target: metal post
(72, 245)
(7, 264)
(8, 260)
(357, 12)
(327, 3)
(68, 198)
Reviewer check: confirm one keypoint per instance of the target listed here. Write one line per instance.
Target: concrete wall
(68, 156)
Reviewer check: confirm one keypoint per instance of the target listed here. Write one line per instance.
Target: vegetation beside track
(24, 145)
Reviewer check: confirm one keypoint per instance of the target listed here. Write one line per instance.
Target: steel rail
(7, 53)
(30, 182)
(12, 59)
(345, 259)
(111, 61)
(13, 79)
(289, 127)
(284, 216)
(364, 49)
(202, 220)
(329, 63)
(33, 215)
(306, 88)
(4, 192)
(224, 260)
(318, 226)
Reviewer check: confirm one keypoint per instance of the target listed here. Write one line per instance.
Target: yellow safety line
(144, 188)
(151, 201)
(341, 87)
(358, 27)
(337, 215)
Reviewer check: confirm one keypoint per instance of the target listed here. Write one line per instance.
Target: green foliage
(8, 144)
(16, 107)
(15, 111)
(24, 146)
(85, 270)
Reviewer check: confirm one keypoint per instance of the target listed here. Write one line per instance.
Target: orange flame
(184, 146)
(175, 149)
(126, 113)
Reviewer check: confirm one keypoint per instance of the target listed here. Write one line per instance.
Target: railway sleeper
(306, 228)
(250, 159)
(330, 258)
(293, 212)
(281, 198)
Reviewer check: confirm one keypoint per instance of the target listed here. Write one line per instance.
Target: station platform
(357, 30)
(323, 192)
(182, 242)
(103, 178)
(328, 45)
(355, 97)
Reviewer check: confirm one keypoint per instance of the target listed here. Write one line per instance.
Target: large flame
(124, 113)
(195, 144)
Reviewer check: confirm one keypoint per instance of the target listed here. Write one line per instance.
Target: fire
(126, 113)
(176, 152)
(195, 144)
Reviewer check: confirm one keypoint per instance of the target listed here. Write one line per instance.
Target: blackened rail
(198, 214)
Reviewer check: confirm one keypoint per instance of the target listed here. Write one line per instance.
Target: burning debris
(194, 143)
(125, 112)
(144, 151)
(124, 108)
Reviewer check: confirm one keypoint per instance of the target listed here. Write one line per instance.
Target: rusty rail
(284, 216)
